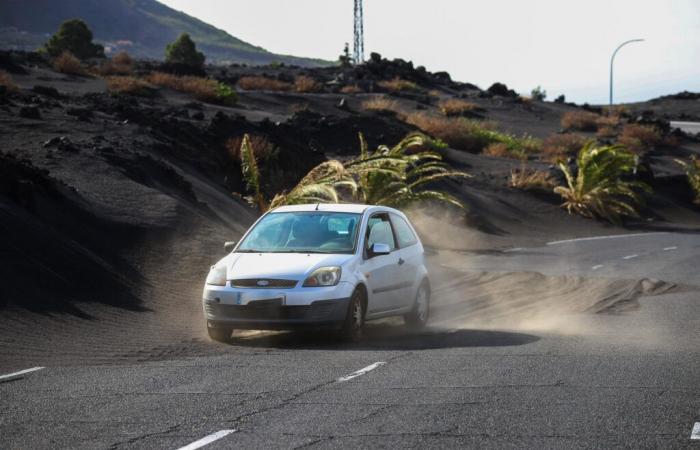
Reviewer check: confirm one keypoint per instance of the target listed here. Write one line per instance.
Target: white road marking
(597, 266)
(695, 434)
(20, 373)
(670, 248)
(514, 249)
(207, 440)
(595, 238)
(360, 372)
(630, 256)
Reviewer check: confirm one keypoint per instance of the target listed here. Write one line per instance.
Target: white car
(321, 265)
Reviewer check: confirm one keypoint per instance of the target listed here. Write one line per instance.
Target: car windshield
(303, 232)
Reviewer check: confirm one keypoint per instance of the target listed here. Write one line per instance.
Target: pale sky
(562, 45)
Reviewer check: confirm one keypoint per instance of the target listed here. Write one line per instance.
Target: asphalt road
(630, 380)
(688, 127)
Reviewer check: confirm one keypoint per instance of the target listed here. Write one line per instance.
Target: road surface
(688, 127)
(627, 380)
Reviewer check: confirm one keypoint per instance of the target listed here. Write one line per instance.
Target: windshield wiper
(249, 251)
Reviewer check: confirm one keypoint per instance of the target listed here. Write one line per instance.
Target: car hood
(289, 266)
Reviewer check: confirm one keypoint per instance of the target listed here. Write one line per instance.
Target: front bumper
(276, 309)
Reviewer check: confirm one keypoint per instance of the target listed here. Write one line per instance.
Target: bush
(75, 37)
(381, 104)
(456, 107)
(120, 64)
(557, 147)
(640, 138)
(203, 89)
(599, 188)
(304, 83)
(7, 82)
(538, 94)
(580, 120)
(531, 179)
(350, 89)
(498, 150)
(129, 85)
(692, 171)
(256, 83)
(184, 52)
(67, 63)
(397, 85)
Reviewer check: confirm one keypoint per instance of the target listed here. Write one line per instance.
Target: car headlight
(323, 276)
(217, 276)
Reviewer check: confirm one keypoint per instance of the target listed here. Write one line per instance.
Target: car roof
(332, 207)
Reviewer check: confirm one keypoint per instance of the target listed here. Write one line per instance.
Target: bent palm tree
(598, 188)
(692, 171)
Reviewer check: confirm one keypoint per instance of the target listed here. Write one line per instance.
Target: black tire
(355, 318)
(420, 313)
(220, 334)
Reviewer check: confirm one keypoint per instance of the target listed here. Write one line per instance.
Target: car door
(409, 260)
(381, 271)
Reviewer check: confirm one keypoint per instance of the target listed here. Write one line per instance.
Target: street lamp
(612, 60)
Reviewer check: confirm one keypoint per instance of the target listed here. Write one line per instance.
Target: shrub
(639, 138)
(456, 107)
(256, 83)
(381, 104)
(75, 37)
(203, 89)
(498, 150)
(350, 89)
(557, 147)
(531, 179)
(397, 85)
(606, 132)
(538, 94)
(579, 120)
(120, 64)
(128, 85)
(184, 51)
(67, 63)
(304, 83)
(692, 171)
(7, 82)
(598, 188)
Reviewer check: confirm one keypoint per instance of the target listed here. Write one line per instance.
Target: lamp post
(612, 60)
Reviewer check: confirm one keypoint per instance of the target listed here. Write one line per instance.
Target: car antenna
(317, 205)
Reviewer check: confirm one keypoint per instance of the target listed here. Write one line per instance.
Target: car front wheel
(418, 317)
(355, 319)
(220, 334)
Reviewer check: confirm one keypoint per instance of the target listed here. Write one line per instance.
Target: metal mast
(359, 42)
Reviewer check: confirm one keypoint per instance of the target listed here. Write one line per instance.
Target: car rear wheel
(220, 334)
(355, 319)
(418, 317)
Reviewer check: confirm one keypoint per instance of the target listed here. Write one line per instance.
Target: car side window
(404, 234)
(379, 231)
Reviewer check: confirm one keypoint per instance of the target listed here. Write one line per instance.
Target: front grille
(263, 283)
(259, 310)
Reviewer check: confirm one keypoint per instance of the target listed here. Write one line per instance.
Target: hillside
(141, 27)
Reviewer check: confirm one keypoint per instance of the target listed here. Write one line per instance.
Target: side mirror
(378, 249)
(229, 246)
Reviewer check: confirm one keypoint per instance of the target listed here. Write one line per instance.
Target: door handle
(401, 261)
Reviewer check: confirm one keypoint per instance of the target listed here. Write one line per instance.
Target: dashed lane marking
(207, 440)
(362, 371)
(596, 238)
(670, 248)
(630, 256)
(695, 434)
(19, 374)
(598, 266)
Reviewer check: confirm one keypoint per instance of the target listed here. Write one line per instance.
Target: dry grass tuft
(120, 64)
(605, 132)
(457, 132)
(397, 85)
(456, 107)
(557, 147)
(128, 85)
(498, 150)
(580, 120)
(640, 138)
(203, 89)
(351, 89)
(304, 83)
(531, 179)
(7, 82)
(381, 104)
(256, 83)
(67, 63)
(262, 148)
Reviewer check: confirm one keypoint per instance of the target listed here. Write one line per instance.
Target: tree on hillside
(74, 36)
(184, 52)
(345, 59)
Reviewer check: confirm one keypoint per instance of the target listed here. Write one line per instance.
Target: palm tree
(251, 173)
(692, 171)
(598, 188)
(321, 185)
